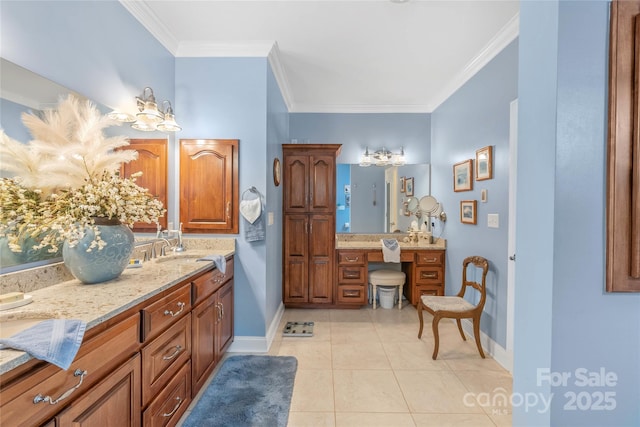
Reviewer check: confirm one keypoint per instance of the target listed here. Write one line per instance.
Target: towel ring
(253, 190)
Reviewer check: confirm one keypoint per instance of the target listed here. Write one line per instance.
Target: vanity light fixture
(149, 118)
(382, 157)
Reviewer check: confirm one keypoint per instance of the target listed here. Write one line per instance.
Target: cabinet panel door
(322, 178)
(115, 401)
(152, 162)
(209, 185)
(321, 254)
(225, 324)
(203, 324)
(296, 189)
(295, 260)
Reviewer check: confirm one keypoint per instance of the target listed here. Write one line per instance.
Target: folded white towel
(56, 340)
(251, 209)
(390, 250)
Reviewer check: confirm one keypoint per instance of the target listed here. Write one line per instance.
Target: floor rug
(247, 391)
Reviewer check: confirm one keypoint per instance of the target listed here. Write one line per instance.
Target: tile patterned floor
(368, 368)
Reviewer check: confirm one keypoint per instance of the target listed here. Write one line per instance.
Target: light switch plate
(493, 220)
(270, 218)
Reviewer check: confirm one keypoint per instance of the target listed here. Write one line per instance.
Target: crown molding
(152, 23)
(280, 75)
(506, 35)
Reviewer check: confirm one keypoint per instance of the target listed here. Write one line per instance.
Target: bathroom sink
(178, 257)
(14, 322)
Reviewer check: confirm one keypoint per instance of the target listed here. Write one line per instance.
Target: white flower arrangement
(66, 177)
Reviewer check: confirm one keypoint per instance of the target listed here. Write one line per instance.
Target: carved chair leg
(420, 317)
(464, 338)
(476, 334)
(436, 320)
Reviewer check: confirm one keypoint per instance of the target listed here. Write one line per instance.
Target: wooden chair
(456, 307)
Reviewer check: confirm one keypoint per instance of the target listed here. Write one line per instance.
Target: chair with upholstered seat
(456, 307)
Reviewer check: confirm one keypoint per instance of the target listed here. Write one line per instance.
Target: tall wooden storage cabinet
(309, 209)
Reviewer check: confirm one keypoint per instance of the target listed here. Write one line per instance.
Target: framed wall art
(408, 186)
(463, 176)
(402, 184)
(468, 212)
(484, 161)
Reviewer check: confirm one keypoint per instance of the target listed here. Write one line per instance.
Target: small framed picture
(468, 209)
(402, 184)
(408, 186)
(462, 176)
(484, 160)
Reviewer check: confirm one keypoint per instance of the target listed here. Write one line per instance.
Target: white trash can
(387, 296)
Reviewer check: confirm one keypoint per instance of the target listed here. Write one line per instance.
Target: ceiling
(345, 55)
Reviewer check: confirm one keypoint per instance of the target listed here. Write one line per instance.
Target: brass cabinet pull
(350, 274)
(172, 314)
(77, 373)
(174, 354)
(431, 275)
(168, 414)
(352, 259)
(351, 293)
(434, 259)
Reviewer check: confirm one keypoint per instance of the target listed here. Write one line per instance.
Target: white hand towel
(251, 209)
(390, 250)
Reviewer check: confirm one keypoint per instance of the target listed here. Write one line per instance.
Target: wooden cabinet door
(209, 185)
(296, 269)
(152, 162)
(203, 334)
(115, 401)
(224, 330)
(296, 188)
(322, 183)
(321, 248)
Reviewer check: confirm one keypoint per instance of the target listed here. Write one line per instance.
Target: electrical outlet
(493, 221)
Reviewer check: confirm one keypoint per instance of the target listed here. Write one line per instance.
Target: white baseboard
(499, 353)
(254, 344)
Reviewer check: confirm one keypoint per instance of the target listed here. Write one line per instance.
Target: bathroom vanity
(153, 337)
(423, 264)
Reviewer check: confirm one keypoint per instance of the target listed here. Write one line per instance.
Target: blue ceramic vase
(100, 265)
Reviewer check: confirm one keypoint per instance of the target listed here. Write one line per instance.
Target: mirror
(24, 91)
(374, 199)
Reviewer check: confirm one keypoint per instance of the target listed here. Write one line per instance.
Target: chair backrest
(481, 287)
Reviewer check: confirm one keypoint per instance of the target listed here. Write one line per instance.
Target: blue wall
(568, 320)
(476, 116)
(357, 131)
(227, 98)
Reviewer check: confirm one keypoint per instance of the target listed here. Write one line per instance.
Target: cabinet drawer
(429, 276)
(17, 398)
(430, 290)
(171, 403)
(352, 274)
(378, 257)
(164, 312)
(210, 281)
(351, 258)
(162, 357)
(430, 257)
(352, 294)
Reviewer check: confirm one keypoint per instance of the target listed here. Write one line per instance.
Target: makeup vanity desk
(423, 264)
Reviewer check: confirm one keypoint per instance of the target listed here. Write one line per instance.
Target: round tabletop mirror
(412, 204)
(428, 204)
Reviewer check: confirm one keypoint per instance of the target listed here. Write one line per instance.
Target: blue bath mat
(247, 391)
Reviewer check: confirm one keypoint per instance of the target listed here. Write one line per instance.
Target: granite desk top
(98, 303)
(372, 241)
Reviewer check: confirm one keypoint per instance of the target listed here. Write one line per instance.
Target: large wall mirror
(378, 199)
(24, 91)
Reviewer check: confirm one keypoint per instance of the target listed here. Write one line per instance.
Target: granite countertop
(98, 303)
(372, 241)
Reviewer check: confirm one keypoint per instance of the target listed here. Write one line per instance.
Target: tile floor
(367, 368)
